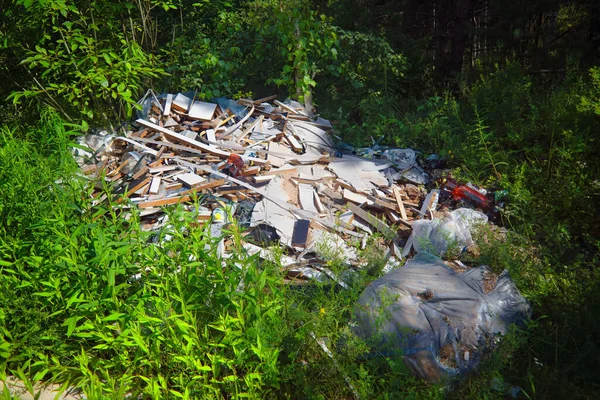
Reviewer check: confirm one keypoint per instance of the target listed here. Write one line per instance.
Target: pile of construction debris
(278, 171)
(272, 166)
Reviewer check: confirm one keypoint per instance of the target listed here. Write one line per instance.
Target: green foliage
(80, 59)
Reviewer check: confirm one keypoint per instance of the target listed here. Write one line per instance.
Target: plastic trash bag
(403, 158)
(436, 236)
(441, 322)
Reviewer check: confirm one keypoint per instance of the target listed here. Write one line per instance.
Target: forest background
(507, 92)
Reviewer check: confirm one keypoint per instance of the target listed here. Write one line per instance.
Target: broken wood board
(168, 105)
(155, 185)
(191, 179)
(194, 143)
(181, 103)
(398, 196)
(375, 222)
(202, 111)
(279, 171)
(356, 198)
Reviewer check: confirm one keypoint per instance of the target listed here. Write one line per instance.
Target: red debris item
(463, 192)
(235, 164)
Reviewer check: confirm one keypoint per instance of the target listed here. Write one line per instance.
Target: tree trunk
(459, 38)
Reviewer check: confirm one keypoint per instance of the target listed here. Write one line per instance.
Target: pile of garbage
(279, 171)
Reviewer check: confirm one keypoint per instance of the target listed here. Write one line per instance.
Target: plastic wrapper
(438, 235)
(441, 322)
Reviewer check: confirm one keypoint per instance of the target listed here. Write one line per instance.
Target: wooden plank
(251, 171)
(181, 103)
(164, 168)
(286, 107)
(279, 171)
(201, 110)
(164, 202)
(132, 187)
(168, 104)
(204, 186)
(398, 196)
(143, 190)
(174, 186)
(195, 144)
(343, 184)
(155, 186)
(143, 171)
(383, 203)
(263, 178)
(265, 100)
(250, 128)
(356, 198)
(375, 222)
(296, 146)
(191, 179)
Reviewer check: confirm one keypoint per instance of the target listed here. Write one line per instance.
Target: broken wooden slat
(398, 196)
(318, 204)
(265, 100)
(181, 103)
(168, 104)
(263, 178)
(133, 186)
(141, 172)
(191, 179)
(204, 186)
(174, 186)
(278, 171)
(194, 143)
(296, 146)
(286, 107)
(155, 186)
(374, 222)
(164, 202)
(356, 198)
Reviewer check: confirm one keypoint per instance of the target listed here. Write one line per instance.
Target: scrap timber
(270, 164)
